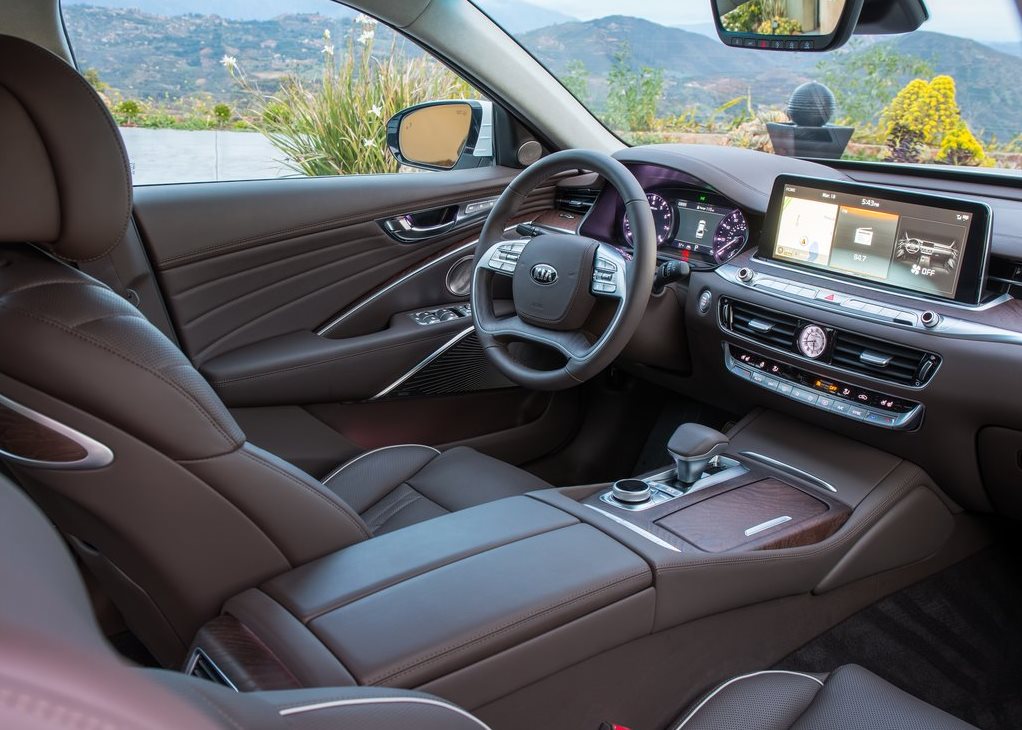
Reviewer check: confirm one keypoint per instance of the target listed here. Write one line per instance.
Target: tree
(632, 95)
(576, 80)
(865, 79)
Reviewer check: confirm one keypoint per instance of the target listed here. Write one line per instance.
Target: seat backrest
(57, 671)
(102, 418)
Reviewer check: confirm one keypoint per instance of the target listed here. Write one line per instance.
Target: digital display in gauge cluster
(698, 228)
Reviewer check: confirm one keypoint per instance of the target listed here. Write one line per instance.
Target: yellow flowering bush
(926, 114)
(960, 147)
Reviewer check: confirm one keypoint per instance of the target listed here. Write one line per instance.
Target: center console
(714, 503)
(480, 603)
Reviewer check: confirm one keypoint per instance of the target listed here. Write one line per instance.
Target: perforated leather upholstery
(850, 698)
(398, 486)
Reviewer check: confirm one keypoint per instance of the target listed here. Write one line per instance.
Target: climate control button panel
(849, 401)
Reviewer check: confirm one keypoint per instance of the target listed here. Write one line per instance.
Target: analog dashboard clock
(812, 341)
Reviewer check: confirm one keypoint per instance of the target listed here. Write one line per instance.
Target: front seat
(117, 436)
(57, 672)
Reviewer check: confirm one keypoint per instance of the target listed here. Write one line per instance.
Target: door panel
(243, 262)
(298, 306)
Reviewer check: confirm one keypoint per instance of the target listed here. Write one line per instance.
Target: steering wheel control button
(794, 383)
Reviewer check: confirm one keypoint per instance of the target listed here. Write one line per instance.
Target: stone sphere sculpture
(811, 105)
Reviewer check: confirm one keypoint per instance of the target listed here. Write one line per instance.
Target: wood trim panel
(23, 437)
(720, 524)
(240, 655)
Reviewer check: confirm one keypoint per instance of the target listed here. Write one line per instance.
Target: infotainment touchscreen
(925, 244)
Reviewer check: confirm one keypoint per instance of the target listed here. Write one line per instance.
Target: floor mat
(953, 640)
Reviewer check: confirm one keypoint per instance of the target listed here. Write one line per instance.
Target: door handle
(424, 225)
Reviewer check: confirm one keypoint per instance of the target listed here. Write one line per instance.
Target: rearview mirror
(786, 25)
(443, 135)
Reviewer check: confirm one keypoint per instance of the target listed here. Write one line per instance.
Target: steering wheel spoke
(574, 345)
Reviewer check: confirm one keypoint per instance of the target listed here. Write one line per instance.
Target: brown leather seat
(117, 436)
(850, 698)
(57, 672)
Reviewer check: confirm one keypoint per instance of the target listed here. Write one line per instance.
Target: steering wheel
(556, 279)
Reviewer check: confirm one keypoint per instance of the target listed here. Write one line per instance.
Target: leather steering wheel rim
(633, 278)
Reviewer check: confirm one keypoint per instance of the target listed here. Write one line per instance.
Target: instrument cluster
(695, 226)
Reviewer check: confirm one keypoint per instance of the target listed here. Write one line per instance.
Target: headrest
(64, 176)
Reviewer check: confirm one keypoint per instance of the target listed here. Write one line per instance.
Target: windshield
(949, 93)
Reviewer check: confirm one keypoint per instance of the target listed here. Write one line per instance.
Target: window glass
(207, 90)
(655, 71)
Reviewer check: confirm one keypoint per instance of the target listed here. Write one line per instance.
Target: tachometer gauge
(663, 219)
(731, 236)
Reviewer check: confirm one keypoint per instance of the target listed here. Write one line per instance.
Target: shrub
(222, 114)
(926, 114)
(960, 147)
(633, 94)
(128, 112)
(338, 126)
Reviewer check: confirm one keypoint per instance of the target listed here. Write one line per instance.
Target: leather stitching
(116, 136)
(705, 701)
(332, 475)
(342, 508)
(489, 634)
(394, 509)
(155, 373)
(325, 361)
(291, 282)
(362, 218)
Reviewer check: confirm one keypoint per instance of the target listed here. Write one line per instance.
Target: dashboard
(876, 302)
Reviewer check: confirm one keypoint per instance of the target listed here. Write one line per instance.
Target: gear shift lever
(693, 446)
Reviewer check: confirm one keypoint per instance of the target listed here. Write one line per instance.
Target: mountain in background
(1014, 49)
(515, 16)
(518, 17)
(233, 9)
(145, 55)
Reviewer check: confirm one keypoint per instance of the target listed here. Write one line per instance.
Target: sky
(989, 20)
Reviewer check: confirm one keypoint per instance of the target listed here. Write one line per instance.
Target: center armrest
(371, 566)
(454, 599)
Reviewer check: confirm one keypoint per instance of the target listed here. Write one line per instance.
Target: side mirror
(443, 135)
(786, 25)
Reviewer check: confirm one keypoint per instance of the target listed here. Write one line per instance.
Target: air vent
(1005, 276)
(882, 360)
(760, 324)
(201, 666)
(845, 350)
(576, 200)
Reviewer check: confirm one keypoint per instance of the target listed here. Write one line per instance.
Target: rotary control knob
(746, 275)
(631, 491)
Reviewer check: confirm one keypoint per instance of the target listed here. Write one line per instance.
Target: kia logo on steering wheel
(544, 274)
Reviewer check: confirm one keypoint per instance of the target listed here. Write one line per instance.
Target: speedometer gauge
(663, 219)
(731, 236)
